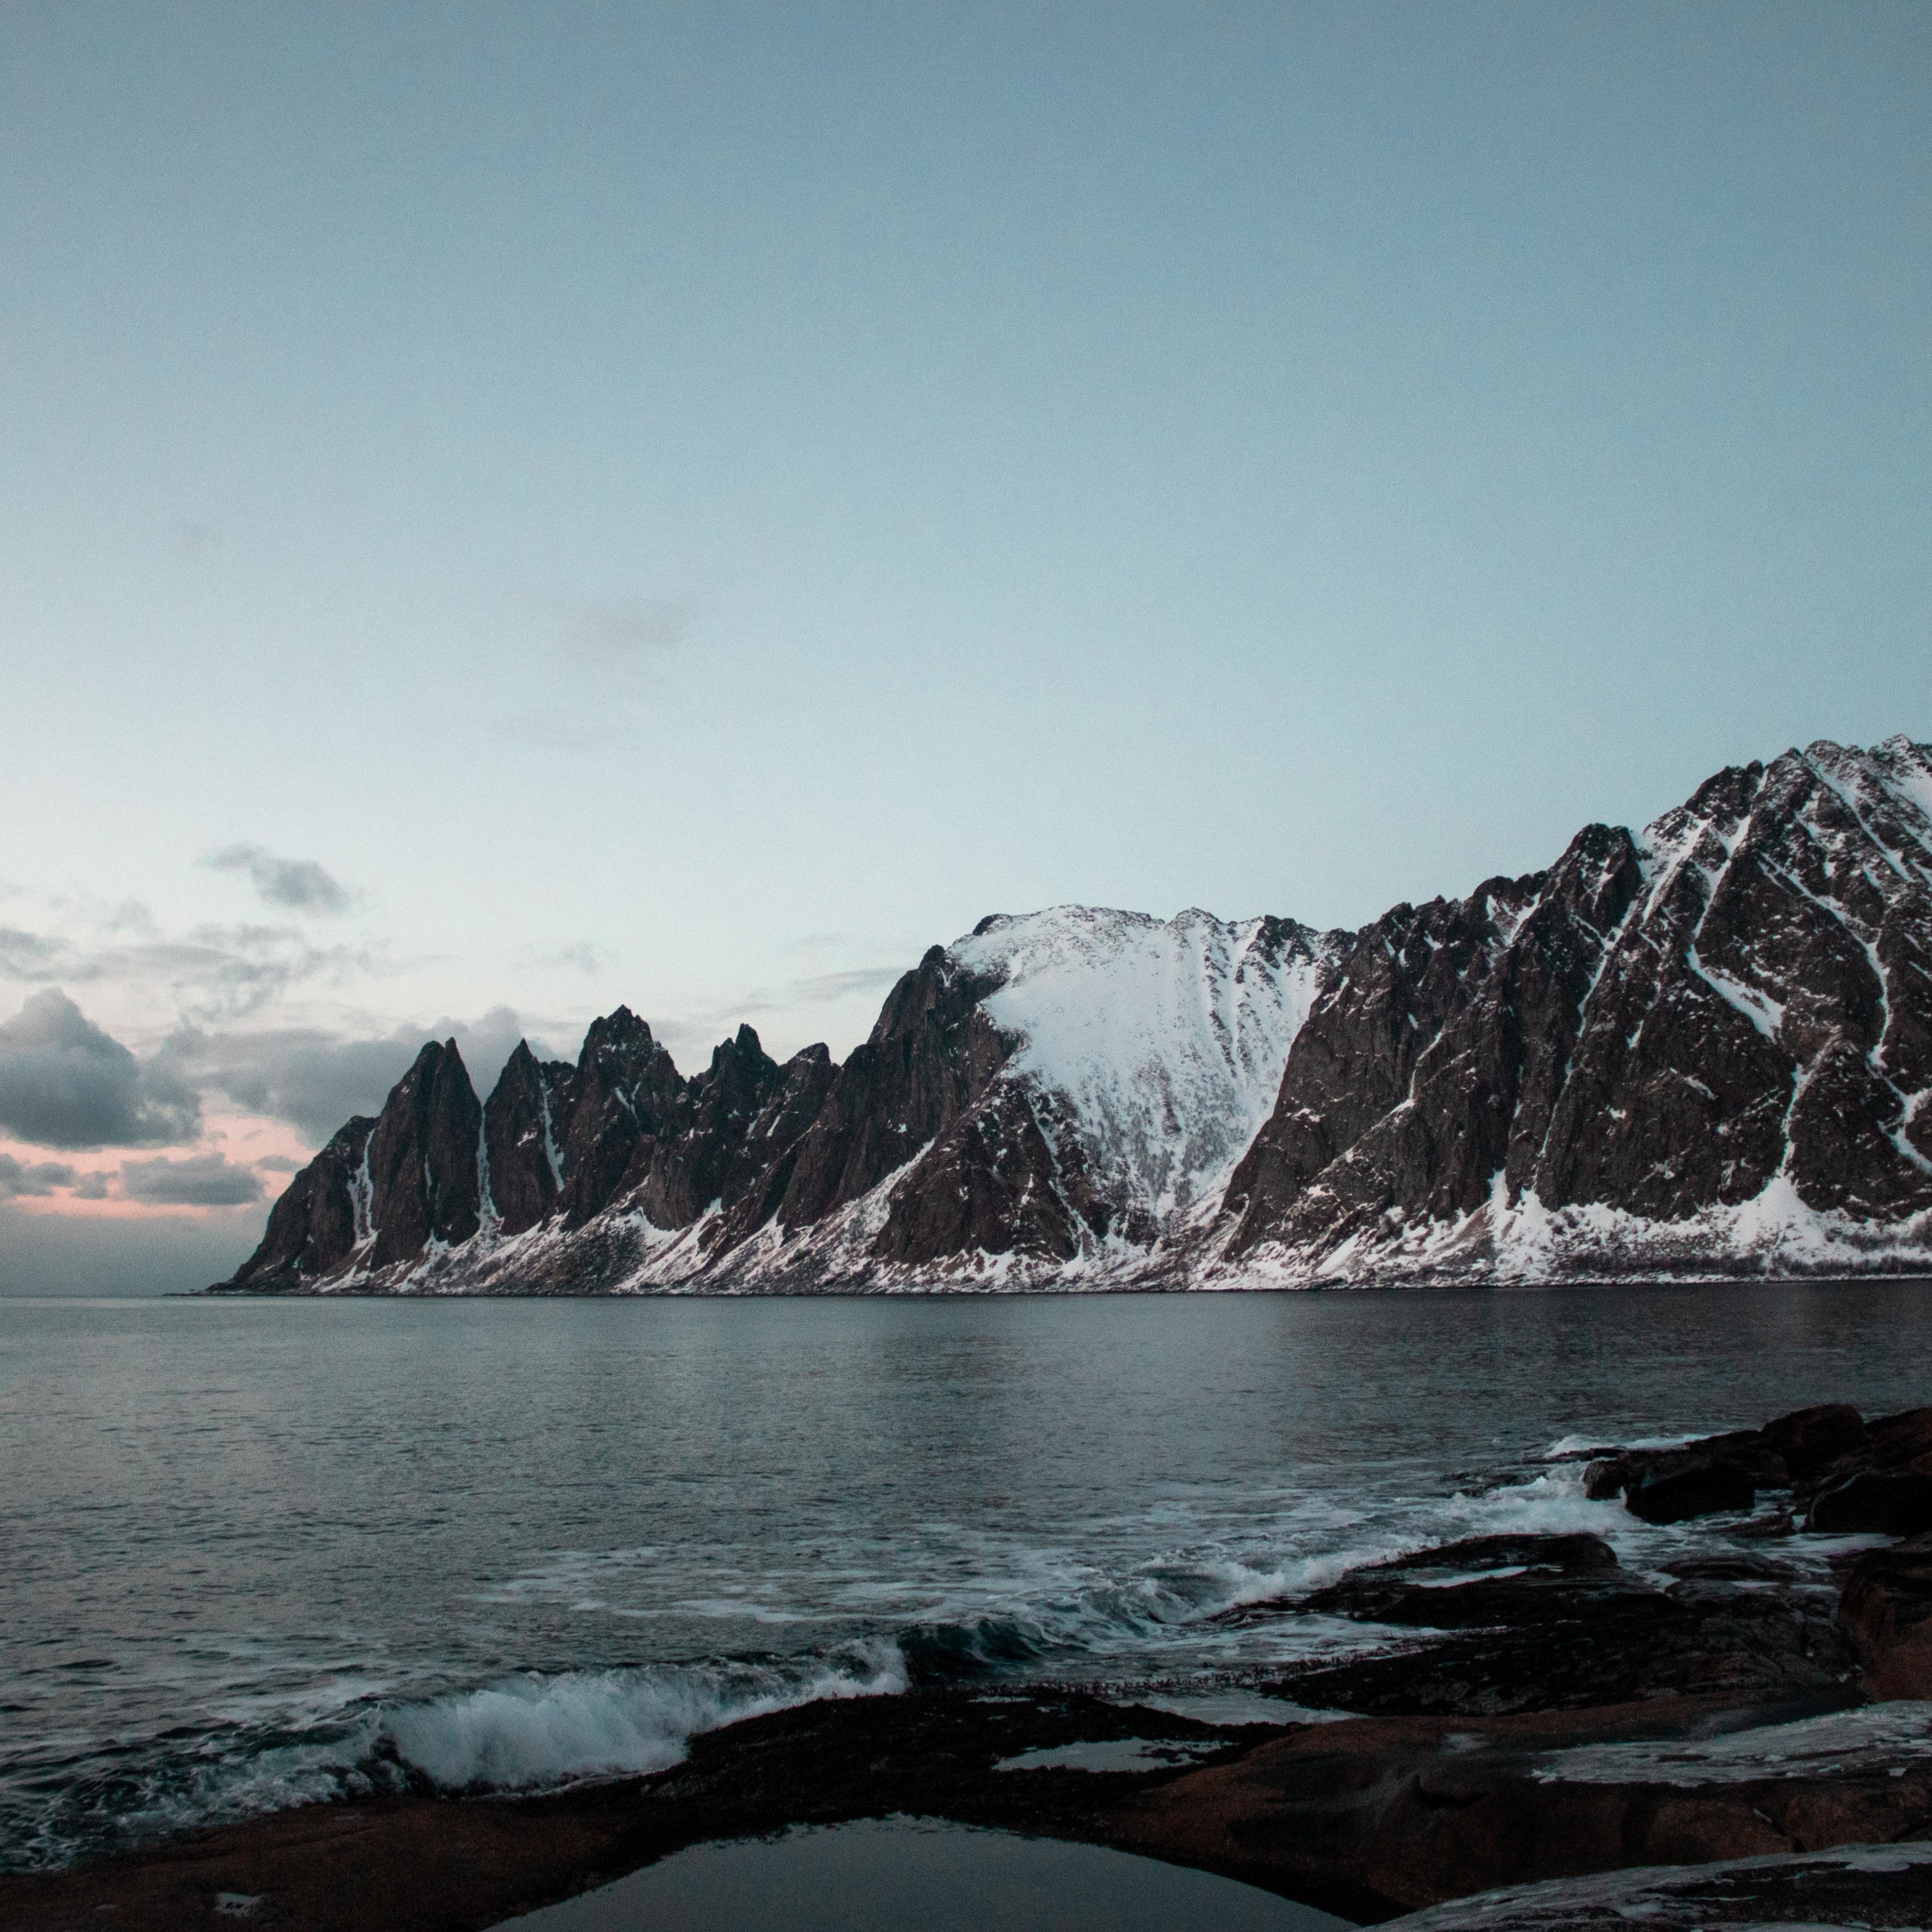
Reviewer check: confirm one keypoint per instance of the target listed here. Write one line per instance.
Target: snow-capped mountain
(1064, 1091)
(1708, 1048)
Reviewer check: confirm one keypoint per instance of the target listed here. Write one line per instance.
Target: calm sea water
(260, 1553)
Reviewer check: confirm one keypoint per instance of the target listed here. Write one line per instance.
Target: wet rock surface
(1882, 1485)
(1490, 1580)
(1886, 1614)
(1882, 1886)
(1571, 1650)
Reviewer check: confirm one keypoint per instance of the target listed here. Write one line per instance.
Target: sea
(258, 1554)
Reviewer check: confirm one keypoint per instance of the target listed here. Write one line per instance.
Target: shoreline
(1365, 1818)
(1403, 1285)
(1529, 1711)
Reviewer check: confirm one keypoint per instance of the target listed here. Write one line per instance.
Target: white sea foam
(1577, 1445)
(538, 1730)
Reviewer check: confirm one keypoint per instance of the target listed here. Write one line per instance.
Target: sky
(508, 510)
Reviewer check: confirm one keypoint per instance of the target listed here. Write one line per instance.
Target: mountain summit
(1704, 1049)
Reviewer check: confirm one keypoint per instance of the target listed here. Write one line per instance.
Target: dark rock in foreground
(1883, 1485)
(1701, 1489)
(1488, 1581)
(1886, 1612)
(1570, 1643)
(1859, 1478)
(1873, 1886)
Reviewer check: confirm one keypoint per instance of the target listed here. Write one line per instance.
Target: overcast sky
(507, 510)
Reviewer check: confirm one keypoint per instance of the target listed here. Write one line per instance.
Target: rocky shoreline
(1544, 1737)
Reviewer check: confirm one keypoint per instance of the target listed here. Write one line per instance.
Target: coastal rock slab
(1887, 1612)
(1858, 1886)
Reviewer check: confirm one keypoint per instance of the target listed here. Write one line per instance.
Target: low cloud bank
(18, 1179)
(199, 1181)
(64, 1083)
(316, 1080)
(213, 973)
(43, 1254)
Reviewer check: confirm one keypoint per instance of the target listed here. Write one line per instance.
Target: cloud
(33, 955)
(822, 988)
(300, 884)
(213, 973)
(628, 639)
(63, 1082)
(316, 1080)
(43, 1178)
(198, 1181)
(621, 650)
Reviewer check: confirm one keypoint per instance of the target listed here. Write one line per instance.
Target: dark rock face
(991, 1183)
(422, 1161)
(744, 1143)
(700, 1155)
(931, 1052)
(1701, 1489)
(625, 1090)
(771, 1146)
(382, 1191)
(1661, 1028)
(525, 1175)
(1887, 1612)
(319, 1221)
(1437, 1056)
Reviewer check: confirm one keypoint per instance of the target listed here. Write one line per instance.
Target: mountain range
(1704, 1048)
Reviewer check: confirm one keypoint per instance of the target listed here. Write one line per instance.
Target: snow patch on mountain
(1167, 1036)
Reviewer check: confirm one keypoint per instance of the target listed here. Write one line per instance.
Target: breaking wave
(521, 1732)
(537, 1730)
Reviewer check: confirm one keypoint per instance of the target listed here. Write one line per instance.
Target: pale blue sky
(691, 506)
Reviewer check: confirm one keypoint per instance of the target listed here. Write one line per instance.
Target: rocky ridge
(1704, 1049)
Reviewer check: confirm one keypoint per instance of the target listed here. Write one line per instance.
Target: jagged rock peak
(617, 1039)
